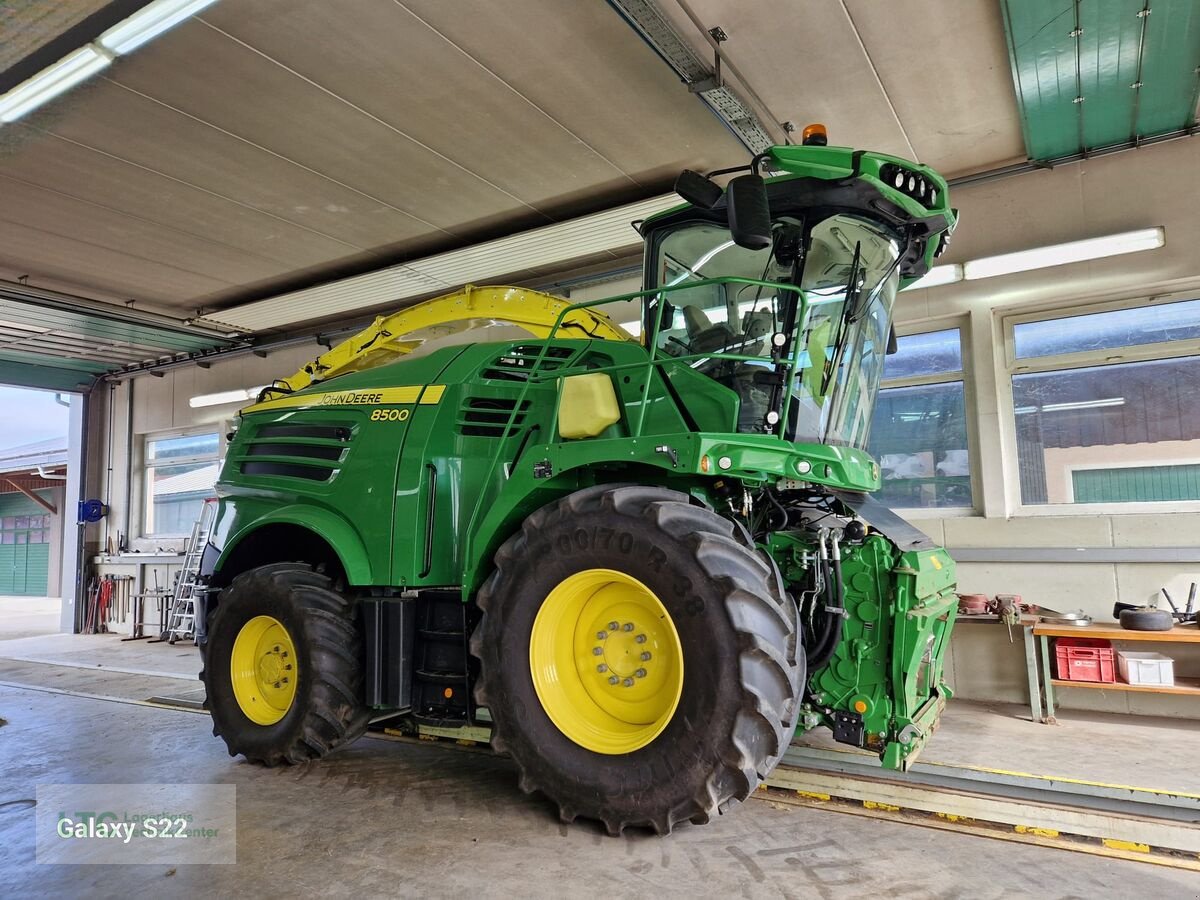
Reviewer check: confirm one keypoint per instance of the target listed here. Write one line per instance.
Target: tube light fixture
(223, 397)
(938, 276)
(1061, 254)
(126, 36)
(52, 81)
(149, 22)
(1066, 407)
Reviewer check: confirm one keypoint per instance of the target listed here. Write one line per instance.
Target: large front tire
(634, 740)
(283, 666)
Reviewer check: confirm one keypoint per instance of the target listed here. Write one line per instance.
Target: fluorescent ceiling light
(541, 248)
(1060, 254)
(127, 35)
(1077, 404)
(149, 22)
(220, 399)
(938, 276)
(52, 81)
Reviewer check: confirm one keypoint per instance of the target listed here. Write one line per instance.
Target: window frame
(1114, 356)
(148, 466)
(966, 376)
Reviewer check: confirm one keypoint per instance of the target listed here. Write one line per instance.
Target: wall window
(1102, 427)
(919, 431)
(180, 474)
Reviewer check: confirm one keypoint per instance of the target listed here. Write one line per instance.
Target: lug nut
(597, 651)
(613, 626)
(602, 668)
(628, 682)
(629, 626)
(640, 673)
(613, 679)
(641, 639)
(288, 667)
(601, 635)
(645, 656)
(277, 648)
(277, 684)
(285, 681)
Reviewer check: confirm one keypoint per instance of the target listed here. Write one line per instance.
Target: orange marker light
(814, 135)
(448, 693)
(704, 463)
(860, 706)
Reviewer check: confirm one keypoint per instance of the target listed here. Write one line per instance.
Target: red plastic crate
(1085, 659)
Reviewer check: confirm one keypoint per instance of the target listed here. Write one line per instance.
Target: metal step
(1131, 822)
(1119, 816)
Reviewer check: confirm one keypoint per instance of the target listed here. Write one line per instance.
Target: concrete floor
(386, 818)
(26, 616)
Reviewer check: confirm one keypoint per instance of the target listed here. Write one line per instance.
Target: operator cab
(846, 267)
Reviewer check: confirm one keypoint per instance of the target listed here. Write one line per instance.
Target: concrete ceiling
(923, 79)
(270, 145)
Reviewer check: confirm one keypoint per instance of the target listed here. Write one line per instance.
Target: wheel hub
(606, 661)
(263, 670)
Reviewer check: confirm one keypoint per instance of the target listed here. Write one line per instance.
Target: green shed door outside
(24, 546)
(1137, 483)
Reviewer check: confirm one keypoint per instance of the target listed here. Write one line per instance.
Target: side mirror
(697, 190)
(893, 344)
(749, 212)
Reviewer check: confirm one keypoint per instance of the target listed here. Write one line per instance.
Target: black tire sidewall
(1146, 620)
(681, 759)
(256, 597)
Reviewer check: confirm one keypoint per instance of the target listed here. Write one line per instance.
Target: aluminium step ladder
(181, 625)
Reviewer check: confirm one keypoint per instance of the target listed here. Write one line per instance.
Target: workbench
(1180, 634)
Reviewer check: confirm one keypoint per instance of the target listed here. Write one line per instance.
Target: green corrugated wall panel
(1169, 76)
(17, 504)
(24, 568)
(1050, 71)
(58, 362)
(1109, 49)
(12, 569)
(1042, 56)
(1141, 483)
(105, 328)
(50, 378)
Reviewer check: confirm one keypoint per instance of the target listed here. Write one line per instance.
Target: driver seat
(695, 320)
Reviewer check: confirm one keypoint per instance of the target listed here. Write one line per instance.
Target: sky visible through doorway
(28, 416)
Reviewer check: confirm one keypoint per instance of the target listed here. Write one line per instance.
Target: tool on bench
(1185, 615)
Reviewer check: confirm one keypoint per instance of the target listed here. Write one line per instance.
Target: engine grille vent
(288, 470)
(516, 364)
(310, 451)
(488, 417)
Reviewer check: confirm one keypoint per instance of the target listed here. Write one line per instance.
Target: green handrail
(653, 359)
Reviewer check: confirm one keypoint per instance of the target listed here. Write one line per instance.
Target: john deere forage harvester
(643, 563)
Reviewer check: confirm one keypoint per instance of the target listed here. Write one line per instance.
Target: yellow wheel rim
(264, 670)
(606, 661)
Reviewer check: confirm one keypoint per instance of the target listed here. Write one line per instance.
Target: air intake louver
(311, 451)
(516, 364)
(489, 416)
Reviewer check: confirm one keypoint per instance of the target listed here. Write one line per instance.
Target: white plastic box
(1146, 668)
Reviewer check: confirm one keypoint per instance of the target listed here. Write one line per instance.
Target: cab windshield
(846, 267)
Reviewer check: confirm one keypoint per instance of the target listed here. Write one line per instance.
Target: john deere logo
(346, 399)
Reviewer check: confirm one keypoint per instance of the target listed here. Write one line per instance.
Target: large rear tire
(283, 666)
(640, 660)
